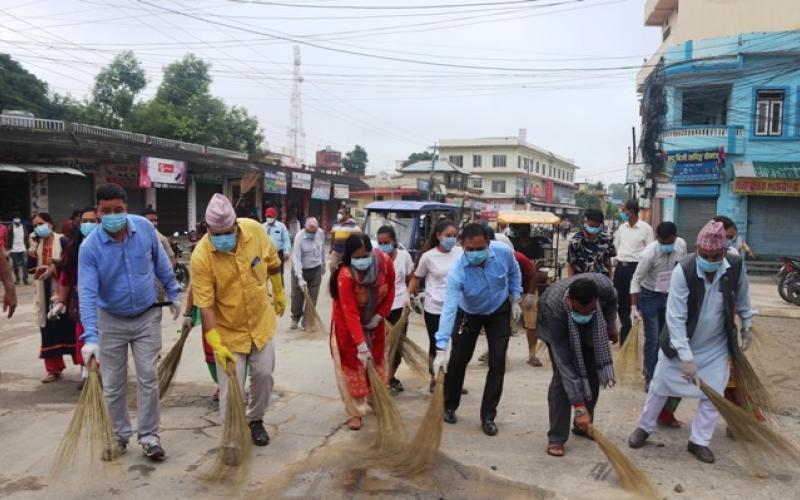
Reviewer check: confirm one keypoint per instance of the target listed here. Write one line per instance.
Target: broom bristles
(395, 336)
(630, 476)
(754, 437)
(747, 381)
(390, 433)
(313, 322)
(423, 450)
(232, 461)
(416, 358)
(169, 365)
(628, 362)
(90, 417)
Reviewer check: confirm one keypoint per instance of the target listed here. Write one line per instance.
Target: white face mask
(339, 217)
(16, 221)
(270, 220)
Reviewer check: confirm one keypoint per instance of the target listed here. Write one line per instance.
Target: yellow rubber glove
(278, 299)
(222, 353)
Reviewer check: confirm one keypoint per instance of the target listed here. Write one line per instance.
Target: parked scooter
(789, 280)
(181, 269)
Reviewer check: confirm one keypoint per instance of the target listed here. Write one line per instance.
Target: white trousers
(261, 365)
(705, 418)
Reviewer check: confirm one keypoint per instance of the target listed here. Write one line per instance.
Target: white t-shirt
(434, 266)
(18, 245)
(403, 265)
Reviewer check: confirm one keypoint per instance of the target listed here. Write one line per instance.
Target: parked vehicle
(537, 235)
(181, 269)
(789, 280)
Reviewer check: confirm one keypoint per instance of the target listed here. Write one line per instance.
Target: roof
(424, 166)
(526, 217)
(408, 206)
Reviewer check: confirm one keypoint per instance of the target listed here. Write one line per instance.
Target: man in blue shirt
(116, 270)
(280, 235)
(483, 292)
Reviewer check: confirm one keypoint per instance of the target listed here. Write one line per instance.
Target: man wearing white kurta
(701, 336)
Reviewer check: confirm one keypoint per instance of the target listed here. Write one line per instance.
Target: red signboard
(490, 215)
(548, 187)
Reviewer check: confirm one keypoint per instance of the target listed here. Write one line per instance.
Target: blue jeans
(653, 306)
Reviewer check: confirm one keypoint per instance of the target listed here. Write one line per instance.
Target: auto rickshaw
(535, 234)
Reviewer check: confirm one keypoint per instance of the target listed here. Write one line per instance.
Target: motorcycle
(181, 270)
(788, 279)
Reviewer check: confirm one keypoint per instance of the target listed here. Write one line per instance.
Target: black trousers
(623, 274)
(498, 330)
(394, 317)
(432, 326)
(558, 402)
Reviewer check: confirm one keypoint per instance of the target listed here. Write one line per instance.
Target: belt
(312, 268)
(626, 264)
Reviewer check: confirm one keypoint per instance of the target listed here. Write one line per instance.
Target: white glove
(441, 360)
(175, 310)
(747, 338)
(363, 354)
(635, 314)
(302, 283)
(56, 311)
(186, 325)
(89, 351)
(516, 311)
(689, 370)
(416, 304)
(374, 322)
(529, 300)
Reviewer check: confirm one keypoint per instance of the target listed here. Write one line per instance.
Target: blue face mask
(42, 230)
(593, 230)
(113, 223)
(223, 242)
(581, 319)
(477, 257)
(448, 242)
(707, 266)
(387, 248)
(623, 216)
(87, 228)
(666, 248)
(361, 263)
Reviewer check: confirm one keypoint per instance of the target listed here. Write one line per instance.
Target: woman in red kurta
(362, 288)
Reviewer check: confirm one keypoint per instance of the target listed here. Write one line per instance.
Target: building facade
(515, 174)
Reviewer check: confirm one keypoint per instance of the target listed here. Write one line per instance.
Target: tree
(355, 161)
(115, 88)
(184, 80)
(21, 90)
(585, 199)
(415, 157)
(612, 211)
(618, 191)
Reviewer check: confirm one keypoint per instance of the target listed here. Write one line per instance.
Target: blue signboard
(696, 166)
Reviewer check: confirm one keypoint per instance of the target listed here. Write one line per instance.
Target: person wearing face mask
(342, 229)
(591, 250)
(708, 288)
(403, 266)
(362, 289)
(15, 244)
(280, 235)
(438, 256)
(576, 320)
(483, 292)
(649, 288)
(308, 266)
(230, 269)
(733, 241)
(117, 265)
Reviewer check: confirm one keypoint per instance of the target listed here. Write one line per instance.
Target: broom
(391, 427)
(747, 381)
(632, 478)
(423, 450)
(628, 361)
(754, 437)
(169, 365)
(91, 416)
(313, 322)
(233, 456)
(395, 335)
(416, 358)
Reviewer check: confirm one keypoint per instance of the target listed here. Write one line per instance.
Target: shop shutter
(203, 194)
(172, 206)
(772, 226)
(67, 193)
(693, 214)
(14, 195)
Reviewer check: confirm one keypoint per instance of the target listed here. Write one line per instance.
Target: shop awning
(767, 170)
(42, 169)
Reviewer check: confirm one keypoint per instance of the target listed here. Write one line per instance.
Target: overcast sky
(562, 69)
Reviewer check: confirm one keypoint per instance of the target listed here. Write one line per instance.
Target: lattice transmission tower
(296, 134)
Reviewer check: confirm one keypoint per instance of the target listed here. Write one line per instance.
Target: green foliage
(115, 88)
(183, 80)
(415, 157)
(618, 191)
(585, 199)
(612, 211)
(21, 90)
(355, 161)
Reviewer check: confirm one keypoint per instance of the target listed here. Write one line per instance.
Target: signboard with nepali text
(341, 191)
(301, 180)
(696, 166)
(321, 190)
(162, 173)
(275, 182)
(767, 187)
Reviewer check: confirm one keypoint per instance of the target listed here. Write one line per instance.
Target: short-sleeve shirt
(588, 256)
(434, 266)
(235, 285)
(403, 265)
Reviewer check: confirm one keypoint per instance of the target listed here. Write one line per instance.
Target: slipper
(582, 433)
(51, 377)
(555, 450)
(354, 424)
(534, 361)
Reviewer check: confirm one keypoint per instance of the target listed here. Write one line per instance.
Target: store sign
(301, 180)
(162, 173)
(322, 190)
(665, 190)
(341, 191)
(126, 176)
(275, 182)
(776, 170)
(548, 188)
(696, 166)
(767, 187)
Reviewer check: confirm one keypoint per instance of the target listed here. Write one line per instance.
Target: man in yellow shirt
(230, 269)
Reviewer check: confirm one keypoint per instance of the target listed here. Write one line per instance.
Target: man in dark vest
(706, 290)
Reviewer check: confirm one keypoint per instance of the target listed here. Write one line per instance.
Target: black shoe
(450, 416)
(395, 385)
(259, 433)
(489, 427)
(638, 438)
(703, 453)
(154, 451)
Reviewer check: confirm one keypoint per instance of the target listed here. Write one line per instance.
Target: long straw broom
(169, 365)
(632, 478)
(628, 361)
(395, 336)
(750, 385)
(313, 322)
(423, 450)
(233, 457)
(390, 433)
(92, 419)
(416, 358)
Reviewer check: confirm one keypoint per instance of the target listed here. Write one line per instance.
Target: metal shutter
(203, 194)
(172, 206)
(67, 193)
(772, 226)
(693, 214)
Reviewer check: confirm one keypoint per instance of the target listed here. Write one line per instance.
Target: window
(498, 160)
(706, 105)
(537, 167)
(477, 161)
(499, 186)
(477, 183)
(457, 160)
(769, 113)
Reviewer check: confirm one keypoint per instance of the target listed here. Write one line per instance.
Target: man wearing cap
(308, 266)
(706, 289)
(279, 234)
(230, 269)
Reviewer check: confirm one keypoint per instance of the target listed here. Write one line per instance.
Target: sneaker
(154, 451)
(110, 454)
(259, 433)
(395, 385)
(293, 325)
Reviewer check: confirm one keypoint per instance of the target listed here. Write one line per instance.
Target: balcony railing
(700, 132)
(108, 133)
(226, 152)
(32, 123)
(732, 138)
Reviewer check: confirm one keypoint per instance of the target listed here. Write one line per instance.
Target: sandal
(51, 377)
(555, 449)
(580, 432)
(534, 361)
(354, 424)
